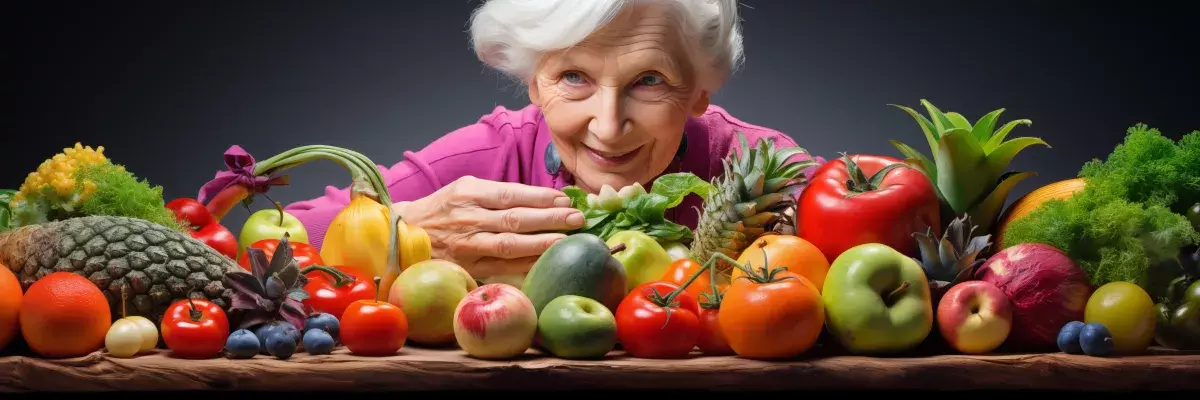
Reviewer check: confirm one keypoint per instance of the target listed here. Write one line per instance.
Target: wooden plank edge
(424, 369)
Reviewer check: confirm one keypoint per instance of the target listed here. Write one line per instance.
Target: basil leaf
(651, 207)
(578, 197)
(675, 187)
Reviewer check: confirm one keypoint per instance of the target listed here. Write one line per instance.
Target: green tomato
(1127, 311)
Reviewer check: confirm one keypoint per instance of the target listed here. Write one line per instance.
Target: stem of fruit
(377, 280)
(858, 182)
(617, 249)
(892, 297)
(124, 297)
(340, 278)
(708, 266)
(279, 206)
(194, 312)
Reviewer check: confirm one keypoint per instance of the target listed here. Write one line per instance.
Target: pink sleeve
(472, 150)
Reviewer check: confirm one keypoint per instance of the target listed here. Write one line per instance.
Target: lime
(1127, 311)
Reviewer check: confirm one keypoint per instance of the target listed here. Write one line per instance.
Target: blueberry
(1096, 340)
(281, 345)
(1068, 338)
(242, 344)
(271, 328)
(317, 341)
(323, 321)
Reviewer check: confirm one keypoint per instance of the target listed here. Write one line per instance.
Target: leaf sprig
(645, 212)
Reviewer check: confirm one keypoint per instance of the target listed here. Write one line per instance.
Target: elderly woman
(620, 95)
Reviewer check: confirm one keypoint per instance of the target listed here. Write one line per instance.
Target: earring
(553, 162)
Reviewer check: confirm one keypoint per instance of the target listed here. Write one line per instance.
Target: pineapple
(969, 162)
(272, 290)
(756, 195)
(954, 258)
(157, 264)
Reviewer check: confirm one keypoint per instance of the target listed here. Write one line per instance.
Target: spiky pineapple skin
(157, 264)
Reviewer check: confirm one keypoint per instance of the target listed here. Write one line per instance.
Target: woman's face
(617, 103)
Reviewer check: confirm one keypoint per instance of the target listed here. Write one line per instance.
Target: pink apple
(975, 317)
(495, 321)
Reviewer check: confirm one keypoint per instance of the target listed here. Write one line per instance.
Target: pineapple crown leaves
(272, 290)
(969, 163)
(954, 257)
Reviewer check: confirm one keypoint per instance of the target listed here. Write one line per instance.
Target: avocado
(581, 265)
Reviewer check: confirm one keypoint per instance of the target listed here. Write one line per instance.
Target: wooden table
(426, 369)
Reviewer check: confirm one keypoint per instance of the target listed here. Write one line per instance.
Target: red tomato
(643, 327)
(304, 253)
(192, 212)
(195, 328)
(325, 295)
(712, 341)
(683, 269)
(885, 209)
(373, 328)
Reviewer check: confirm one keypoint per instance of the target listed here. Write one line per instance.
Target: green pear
(643, 258)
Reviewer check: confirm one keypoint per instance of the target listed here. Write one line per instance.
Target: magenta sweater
(509, 146)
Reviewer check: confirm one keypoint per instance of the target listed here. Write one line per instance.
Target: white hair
(512, 35)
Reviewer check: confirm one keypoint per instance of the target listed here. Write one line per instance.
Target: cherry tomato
(373, 328)
(712, 340)
(195, 328)
(325, 295)
(643, 326)
(304, 253)
(682, 269)
(191, 211)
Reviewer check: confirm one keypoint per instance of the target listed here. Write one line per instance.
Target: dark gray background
(166, 87)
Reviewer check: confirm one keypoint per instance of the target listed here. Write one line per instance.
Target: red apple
(495, 321)
(975, 317)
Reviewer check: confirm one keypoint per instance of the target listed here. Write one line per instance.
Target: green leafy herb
(641, 211)
(1128, 220)
(6, 196)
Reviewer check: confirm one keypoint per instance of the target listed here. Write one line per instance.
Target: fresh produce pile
(882, 254)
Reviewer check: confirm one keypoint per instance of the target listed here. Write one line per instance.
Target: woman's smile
(612, 159)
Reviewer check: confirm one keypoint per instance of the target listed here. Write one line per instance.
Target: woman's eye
(650, 80)
(573, 78)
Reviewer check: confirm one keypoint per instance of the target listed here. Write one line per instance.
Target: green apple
(271, 224)
(643, 258)
(577, 327)
(877, 300)
(677, 250)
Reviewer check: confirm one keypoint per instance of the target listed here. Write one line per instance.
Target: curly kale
(1127, 223)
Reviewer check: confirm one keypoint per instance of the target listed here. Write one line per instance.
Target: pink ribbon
(240, 172)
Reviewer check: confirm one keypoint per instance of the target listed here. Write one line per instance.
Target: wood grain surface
(426, 369)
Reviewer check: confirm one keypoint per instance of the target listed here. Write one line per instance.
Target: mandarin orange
(64, 315)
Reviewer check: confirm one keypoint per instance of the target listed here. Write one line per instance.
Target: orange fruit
(10, 305)
(64, 315)
(798, 255)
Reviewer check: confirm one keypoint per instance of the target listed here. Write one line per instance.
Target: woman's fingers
(526, 220)
(487, 267)
(508, 245)
(505, 195)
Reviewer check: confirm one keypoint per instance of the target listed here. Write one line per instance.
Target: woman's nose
(609, 122)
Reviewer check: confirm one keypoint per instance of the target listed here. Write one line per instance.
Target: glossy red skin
(373, 328)
(904, 203)
(325, 296)
(304, 253)
(204, 227)
(712, 341)
(644, 330)
(188, 338)
(192, 212)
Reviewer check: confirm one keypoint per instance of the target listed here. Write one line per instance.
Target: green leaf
(998, 138)
(649, 208)
(926, 165)
(932, 134)
(983, 128)
(985, 214)
(675, 187)
(999, 158)
(577, 195)
(958, 121)
(961, 175)
(940, 121)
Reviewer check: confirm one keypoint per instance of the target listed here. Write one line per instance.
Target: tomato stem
(858, 182)
(340, 278)
(194, 312)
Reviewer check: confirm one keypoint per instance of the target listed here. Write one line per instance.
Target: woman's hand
(492, 228)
